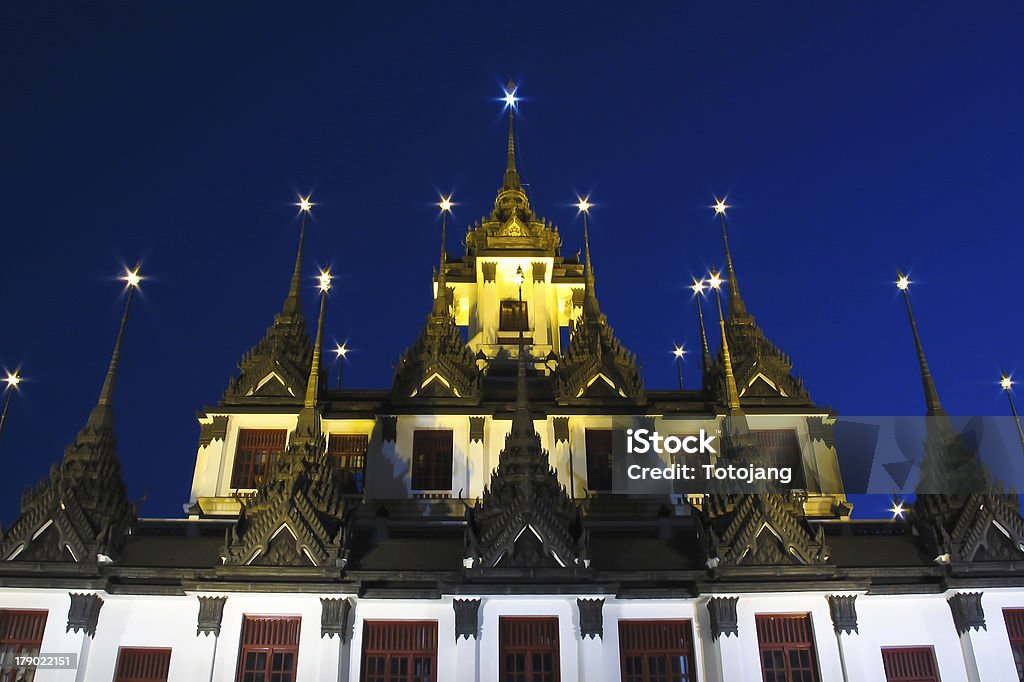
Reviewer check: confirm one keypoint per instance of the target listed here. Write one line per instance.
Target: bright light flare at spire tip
(510, 98)
(698, 286)
(445, 204)
(305, 204)
(584, 205)
(897, 510)
(131, 277)
(340, 350)
(720, 206)
(1006, 382)
(325, 281)
(679, 352)
(715, 281)
(12, 379)
(902, 282)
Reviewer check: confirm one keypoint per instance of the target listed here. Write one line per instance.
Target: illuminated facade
(466, 523)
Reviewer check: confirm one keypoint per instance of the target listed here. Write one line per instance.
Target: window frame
(643, 633)
(432, 466)
(775, 455)
(379, 640)
(505, 624)
(245, 473)
(290, 628)
(160, 663)
(600, 477)
(513, 315)
(891, 658)
(787, 647)
(353, 477)
(22, 631)
(1014, 621)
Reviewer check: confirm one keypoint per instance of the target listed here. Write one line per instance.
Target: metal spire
(12, 380)
(591, 311)
(313, 385)
(441, 297)
(736, 306)
(102, 415)
(511, 173)
(732, 394)
(931, 395)
(698, 290)
(1007, 385)
(293, 304)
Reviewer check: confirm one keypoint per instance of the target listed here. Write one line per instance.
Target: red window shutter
(529, 650)
(1015, 630)
(910, 664)
(599, 459)
(142, 665)
(432, 459)
(786, 643)
(399, 651)
(656, 650)
(347, 453)
(255, 454)
(781, 448)
(269, 649)
(21, 632)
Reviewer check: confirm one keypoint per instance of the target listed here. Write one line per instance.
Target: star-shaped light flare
(897, 510)
(697, 287)
(325, 281)
(445, 204)
(12, 379)
(584, 205)
(715, 281)
(1006, 382)
(902, 281)
(132, 277)
(720, 206)
(679, 352)
(304, 203)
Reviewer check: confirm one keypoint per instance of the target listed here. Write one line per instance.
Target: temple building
(469, 521)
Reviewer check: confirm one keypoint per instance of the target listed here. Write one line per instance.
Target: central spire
(293, 304)
(511, 173)
(737, 308)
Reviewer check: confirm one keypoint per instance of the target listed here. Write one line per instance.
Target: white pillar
(467, 655)
(984, 659)
(466, 666)
(592, 668)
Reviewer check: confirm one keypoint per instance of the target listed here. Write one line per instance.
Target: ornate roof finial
(731, 392)
(931, 395)
(698, 290)
(1006, 383)
(307, 428)
(293, 304)
(736, 306)
(591, 311)
(441, 297)
(102, 414)
(511, 173)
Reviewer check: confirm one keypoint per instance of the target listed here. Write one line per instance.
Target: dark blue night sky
(852, 139)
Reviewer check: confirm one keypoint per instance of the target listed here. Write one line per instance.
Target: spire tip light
(1006, 382)
(325, 281)
(12, 379)
(340, 350)
(679, 352)
(903, 282)
(445, 204)
(715, 281)
(584, 205)
(720, 206)
(698, 286)
(305, 204)
(132, 277)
